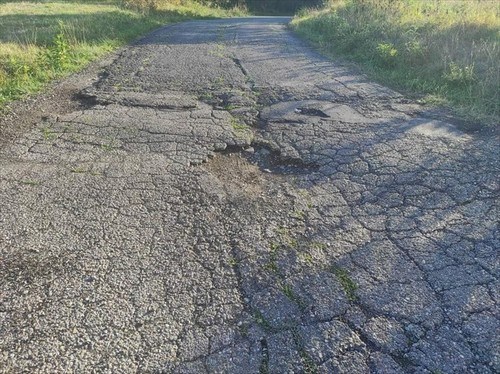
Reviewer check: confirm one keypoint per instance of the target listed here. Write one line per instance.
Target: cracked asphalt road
(229, 201)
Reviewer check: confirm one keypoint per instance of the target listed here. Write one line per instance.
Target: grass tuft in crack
(346, 282)
(78, 170)
(30, 182)
(238, 125)
(273, 256)
(286, 238)
(308, 363)
(48, 134)
(292, 296)
(262, 321)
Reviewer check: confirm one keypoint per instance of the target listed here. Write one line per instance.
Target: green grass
(238, 125)
(444, 52)
(29, 182)
(44, 40)
(262, 321)
(292, 296)
(346, 282)
(272, 265)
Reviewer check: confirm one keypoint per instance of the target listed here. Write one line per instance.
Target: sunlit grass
(30, 58)
(445, 50)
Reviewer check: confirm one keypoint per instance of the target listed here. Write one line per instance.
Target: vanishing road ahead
(226, 200)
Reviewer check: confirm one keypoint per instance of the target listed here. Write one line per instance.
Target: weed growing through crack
(315, 246)
(346, 282)
(30, 182)
(48, 134)
(292, 296)
(233, 262)
(298, 214)
(273, 255)
(219, 82)
(310, 366)
(306, 257)
(218, 51)
(107, 147)
(288, 291)
(286, 238)
(206, 96)
(110, 145)
(318, 245)
(79, 170)
(249, 79)
(262, 321)
(237, 125)
(308, 363)
(229, 107)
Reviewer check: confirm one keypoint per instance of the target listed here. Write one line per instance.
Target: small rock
(250, 150)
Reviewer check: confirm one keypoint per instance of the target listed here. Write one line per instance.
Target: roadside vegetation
(44, 40)
(256, 7)
(445, 52)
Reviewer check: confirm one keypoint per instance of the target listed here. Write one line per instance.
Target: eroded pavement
(231, 202)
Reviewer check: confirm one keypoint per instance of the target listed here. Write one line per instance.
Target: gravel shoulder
(219, 198)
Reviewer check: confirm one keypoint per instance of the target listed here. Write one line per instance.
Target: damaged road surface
(228, 201)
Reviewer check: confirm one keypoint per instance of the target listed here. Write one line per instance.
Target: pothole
(311, 112)
(270, 161)
(302, 111)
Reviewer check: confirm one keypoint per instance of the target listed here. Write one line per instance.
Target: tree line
(266, 6)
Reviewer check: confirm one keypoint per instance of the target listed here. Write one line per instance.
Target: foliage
(346, 282)
(57, 56)
(440, 49)
(254, 6)
(387, 54)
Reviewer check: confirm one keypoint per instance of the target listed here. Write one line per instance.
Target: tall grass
(445, 50)
(43, 40)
